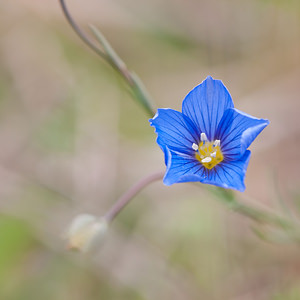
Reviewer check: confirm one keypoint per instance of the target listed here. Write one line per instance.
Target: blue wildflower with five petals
(208, 141)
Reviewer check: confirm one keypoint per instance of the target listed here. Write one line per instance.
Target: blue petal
(182, 168)
(230, 174)
(206, 104)
(237, 131)
(185, 168)
(175, 131)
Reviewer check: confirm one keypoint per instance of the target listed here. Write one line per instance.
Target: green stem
(79, 32)
(111, 57)
(134, 82)
(260, 216)
(289, 227)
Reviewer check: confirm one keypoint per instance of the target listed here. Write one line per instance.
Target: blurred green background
(72, 140)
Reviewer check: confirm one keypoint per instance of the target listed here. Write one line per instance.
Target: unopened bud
(86, 232)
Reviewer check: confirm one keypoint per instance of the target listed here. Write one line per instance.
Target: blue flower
(208, 141)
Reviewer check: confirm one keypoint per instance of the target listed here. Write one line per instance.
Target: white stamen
(195, 147)
(217, 143)
(214, 154)
(203, 137)
(206, 160)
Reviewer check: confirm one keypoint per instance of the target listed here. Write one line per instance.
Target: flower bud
(86, 232)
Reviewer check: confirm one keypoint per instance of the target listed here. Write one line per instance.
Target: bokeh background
(72, 140)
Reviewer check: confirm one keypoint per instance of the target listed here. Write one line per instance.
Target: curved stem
(80, 32)
(128, 195)
(111, 57)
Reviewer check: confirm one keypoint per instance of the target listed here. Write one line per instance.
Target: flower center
(208, 153)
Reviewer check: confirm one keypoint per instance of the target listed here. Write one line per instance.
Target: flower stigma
(208, 153)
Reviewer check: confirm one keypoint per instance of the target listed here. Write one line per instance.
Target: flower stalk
(79, 32)
(131, 193)
(106, 52)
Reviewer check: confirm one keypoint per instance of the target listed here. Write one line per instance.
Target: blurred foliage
(58, 132)
(292, 293)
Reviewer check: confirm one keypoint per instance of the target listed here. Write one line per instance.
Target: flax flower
(208, 141)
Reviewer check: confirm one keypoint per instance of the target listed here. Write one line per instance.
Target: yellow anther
(209, 154)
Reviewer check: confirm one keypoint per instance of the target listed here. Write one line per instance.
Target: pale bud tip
(85, 232)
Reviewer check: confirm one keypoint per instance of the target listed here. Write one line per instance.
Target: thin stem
(111, 57)
(80, 32)
(265, 217)
(261, 216)
(134, 82)
(128, 195)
